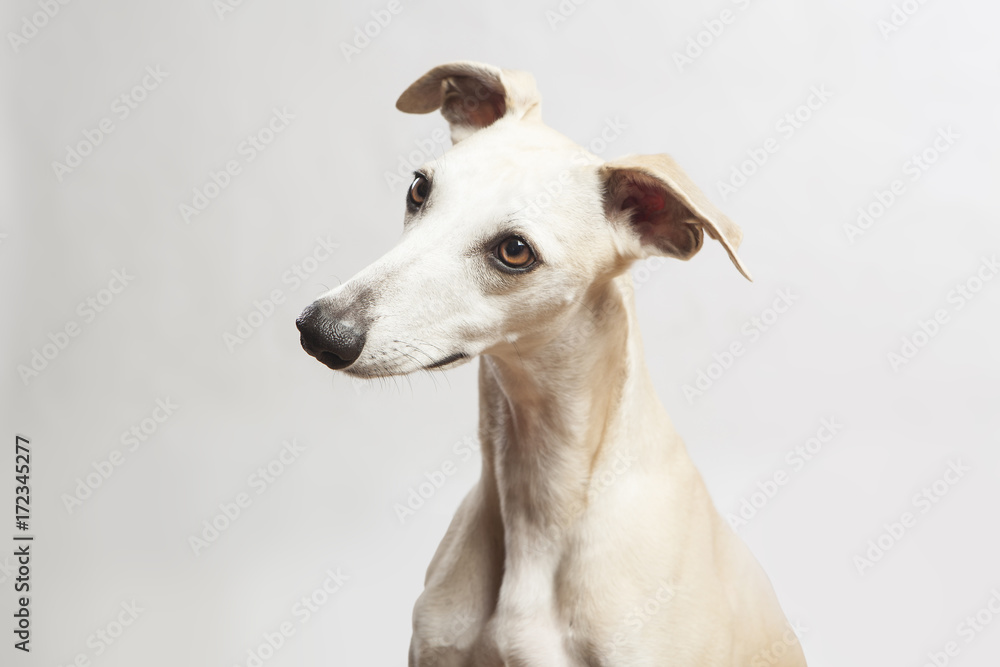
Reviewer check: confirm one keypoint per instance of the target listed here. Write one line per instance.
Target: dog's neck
(551, 418)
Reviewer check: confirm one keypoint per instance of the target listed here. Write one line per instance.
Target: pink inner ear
(487, 112)
(645, 205)
(471, 102)
(658, 218)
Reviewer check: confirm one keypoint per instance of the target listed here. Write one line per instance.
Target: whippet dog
(590, 538)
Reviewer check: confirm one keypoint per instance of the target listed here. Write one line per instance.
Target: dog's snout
(329, 337)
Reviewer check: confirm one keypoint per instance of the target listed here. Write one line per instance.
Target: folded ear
(665, 209)
(472, 96)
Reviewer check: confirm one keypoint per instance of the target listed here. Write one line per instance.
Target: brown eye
(418, 191)
(515, 253)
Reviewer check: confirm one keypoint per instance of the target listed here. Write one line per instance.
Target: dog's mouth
(372, 371)
(450, 359)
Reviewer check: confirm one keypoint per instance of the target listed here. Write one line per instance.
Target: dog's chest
(526, 626)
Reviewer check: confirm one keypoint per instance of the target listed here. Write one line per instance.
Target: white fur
(588, 507)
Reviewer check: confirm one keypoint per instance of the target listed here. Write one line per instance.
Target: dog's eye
(515, 253)
(418, 191)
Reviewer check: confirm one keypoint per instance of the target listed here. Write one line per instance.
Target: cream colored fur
(590, 538)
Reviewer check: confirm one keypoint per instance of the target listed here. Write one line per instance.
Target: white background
(366, 445)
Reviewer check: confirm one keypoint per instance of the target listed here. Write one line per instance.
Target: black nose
(328, 338)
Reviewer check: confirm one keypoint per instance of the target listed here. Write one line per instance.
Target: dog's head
(503, 235)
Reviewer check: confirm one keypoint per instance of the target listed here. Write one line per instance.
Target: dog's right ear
(472, 96)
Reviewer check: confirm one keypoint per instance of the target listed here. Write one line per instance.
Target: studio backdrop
(183, 485)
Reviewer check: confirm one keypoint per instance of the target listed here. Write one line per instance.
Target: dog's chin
(371, 371)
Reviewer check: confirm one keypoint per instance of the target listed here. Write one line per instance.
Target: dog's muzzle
(328, 338)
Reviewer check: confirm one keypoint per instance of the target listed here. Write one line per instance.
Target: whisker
(415, 349)
(514, 343)
(422, 367)
(432, 345)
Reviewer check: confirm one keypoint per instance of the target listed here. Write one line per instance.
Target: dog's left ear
(666, 211)
(472, 96)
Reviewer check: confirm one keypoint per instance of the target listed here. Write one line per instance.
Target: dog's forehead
(518, 153)
(516, 177)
